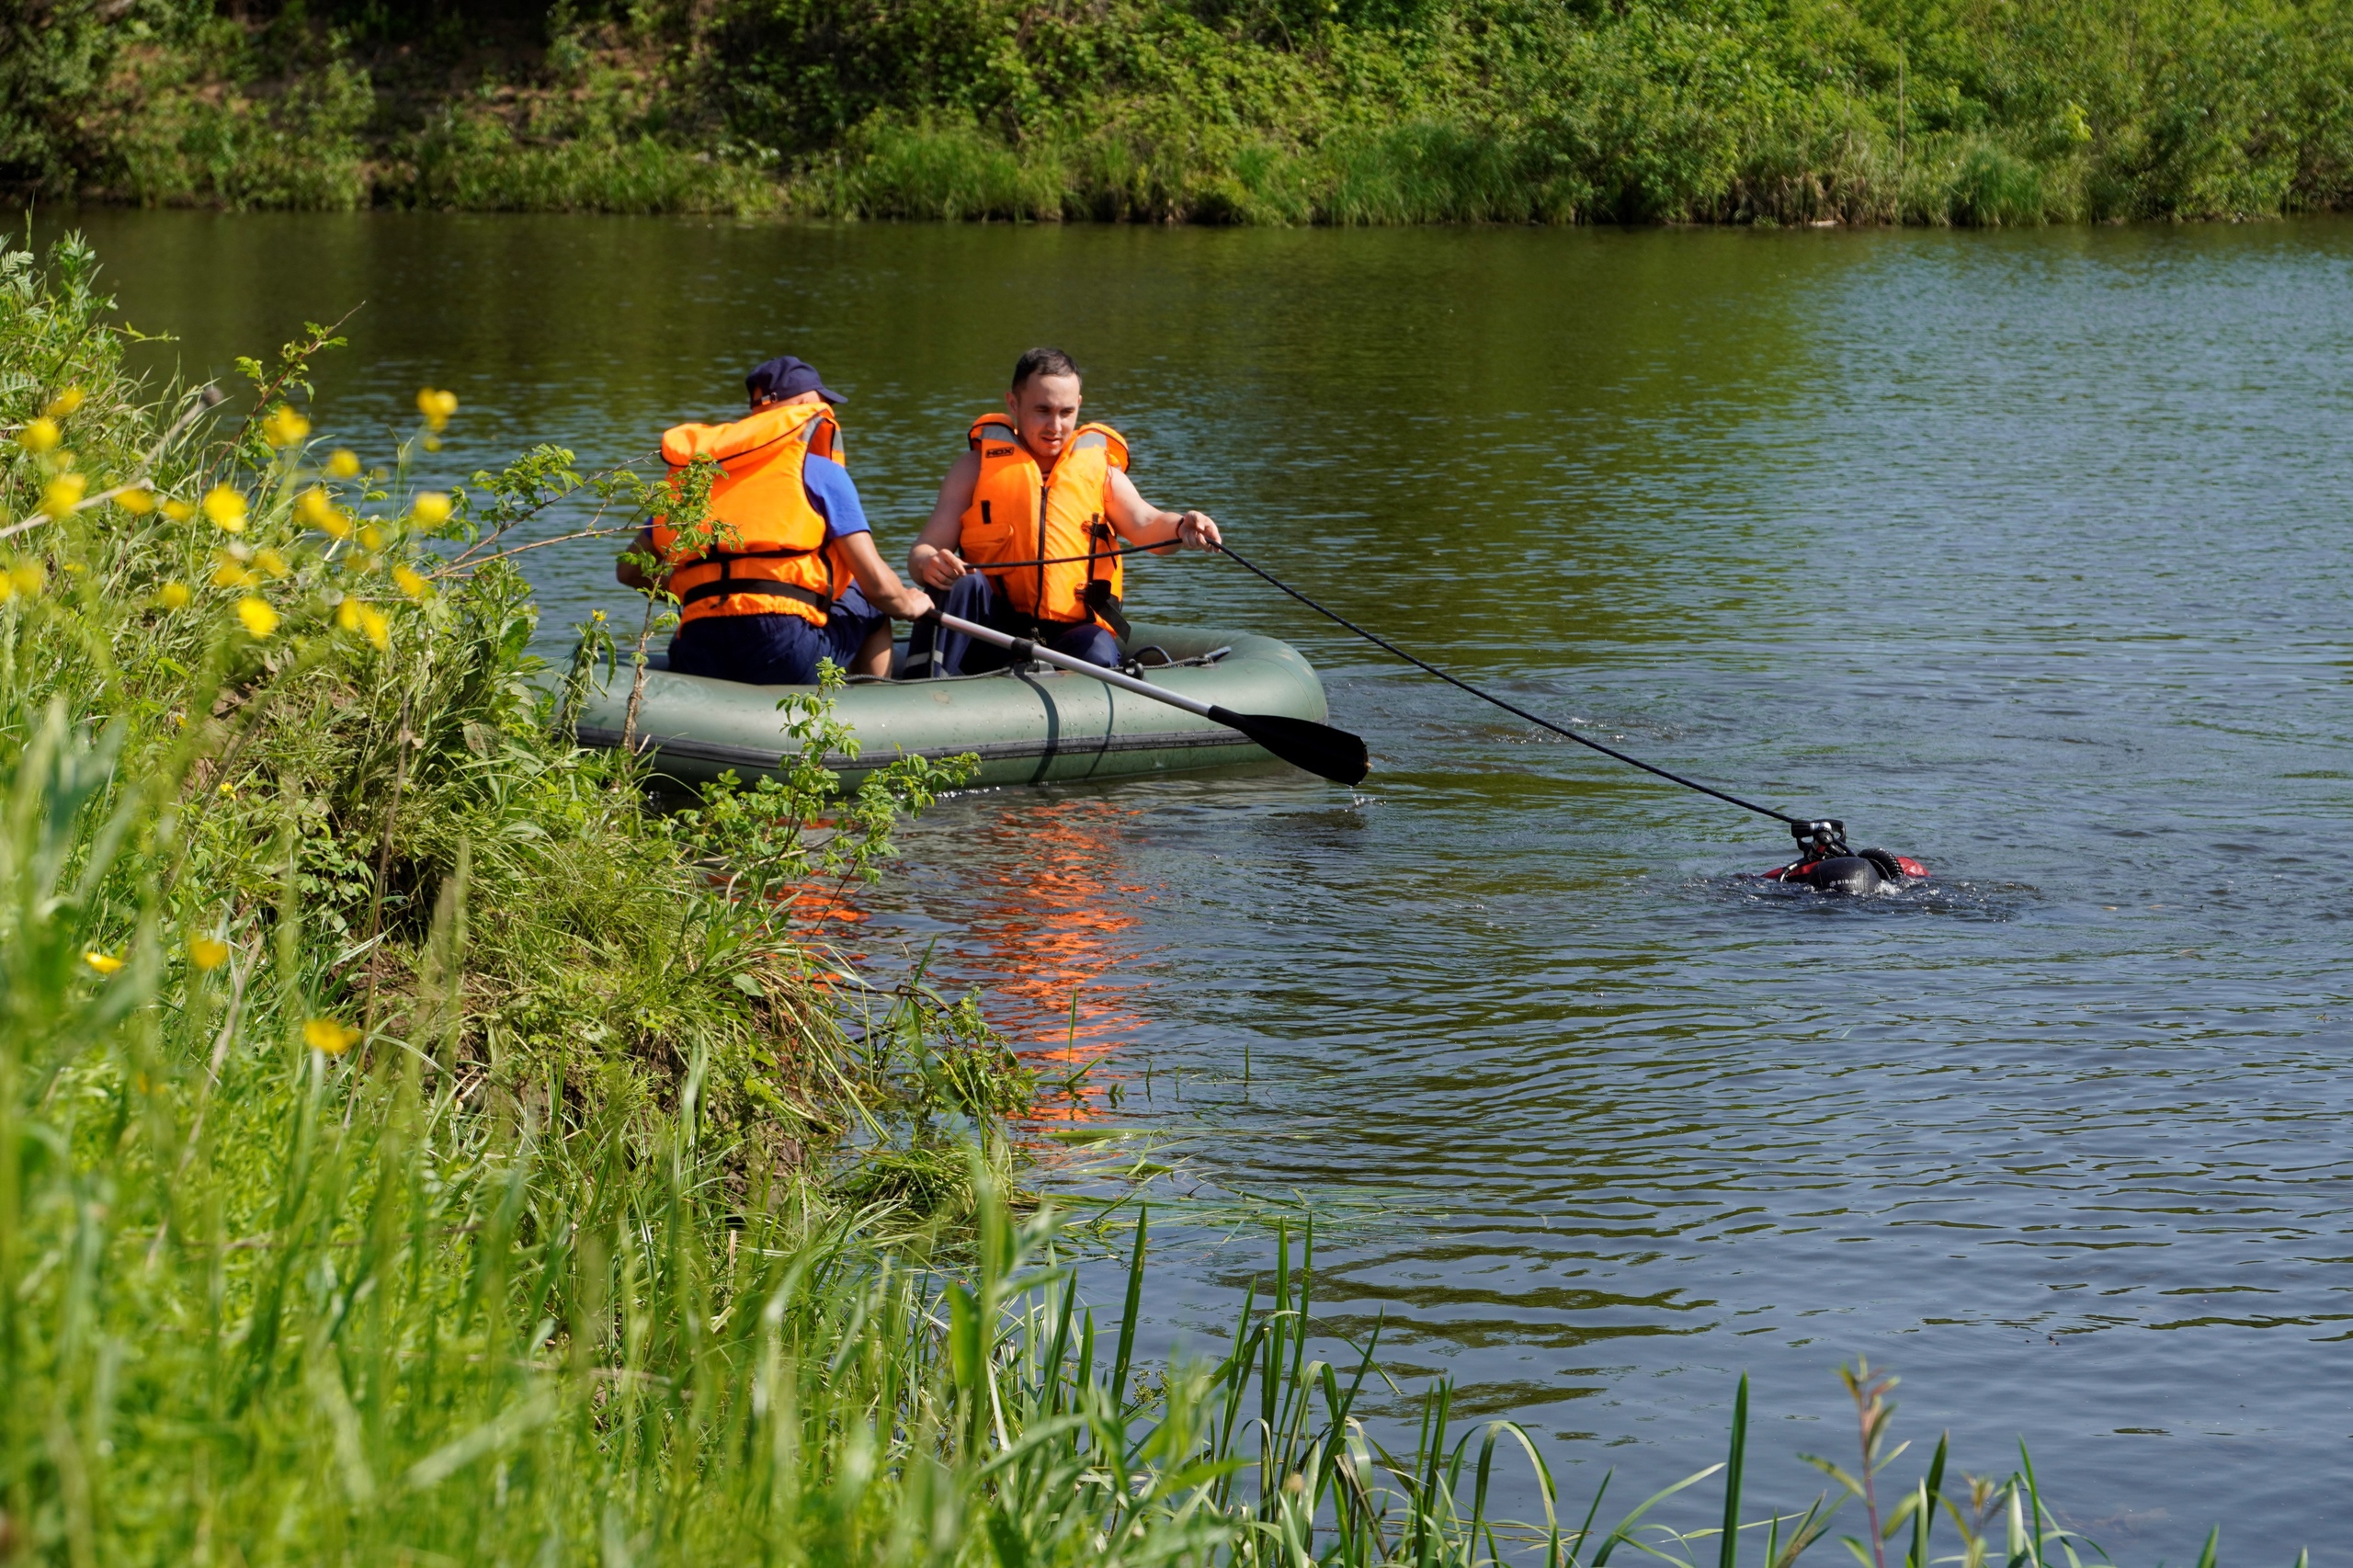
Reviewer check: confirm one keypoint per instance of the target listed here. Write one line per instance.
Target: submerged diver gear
(770, 554)
(1824, 862)
(1046, 539)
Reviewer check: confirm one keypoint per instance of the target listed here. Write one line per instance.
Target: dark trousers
(974, 597)
(774, 650)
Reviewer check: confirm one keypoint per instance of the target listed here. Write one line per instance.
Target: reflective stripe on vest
(1019, 513)
(769, 553)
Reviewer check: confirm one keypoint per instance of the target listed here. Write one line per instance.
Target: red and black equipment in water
(1826, 865)
(1823, 862)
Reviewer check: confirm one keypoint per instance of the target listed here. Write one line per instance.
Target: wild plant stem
(637, 684)
(385, 859)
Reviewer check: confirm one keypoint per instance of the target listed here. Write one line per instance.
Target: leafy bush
(1341, 111)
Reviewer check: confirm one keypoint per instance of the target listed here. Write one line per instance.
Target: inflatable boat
(1027, 725)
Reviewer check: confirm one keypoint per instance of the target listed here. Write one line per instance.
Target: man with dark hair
(1026, 536)
(792, 576)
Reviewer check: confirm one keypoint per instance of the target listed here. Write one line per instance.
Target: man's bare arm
(627, 571)
(1139, 522)
(883, 589)
(934, 560)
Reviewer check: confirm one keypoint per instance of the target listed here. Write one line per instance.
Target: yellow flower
(271, 563)
(599, 617)
(430, 508)
(29, 578)
(227, 792)
(318, 511)
(410, 581)
(433, 443)
(207, 953)
(42, 436)
(344, 463)
(438, 407)
(105, 963)
(179, 511)
(138, 501)
(173, 596)
(63, 404)
(259, 618)
(284, 427)
(359, 615)
(231, 574)
(227, 508)
(330, 1034)
(61, 495)
(370, 537)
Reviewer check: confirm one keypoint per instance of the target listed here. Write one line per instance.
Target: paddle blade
(1319, 748)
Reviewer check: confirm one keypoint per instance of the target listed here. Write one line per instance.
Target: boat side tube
(1030, 726)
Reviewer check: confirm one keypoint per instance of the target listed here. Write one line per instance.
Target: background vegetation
(1346, 111)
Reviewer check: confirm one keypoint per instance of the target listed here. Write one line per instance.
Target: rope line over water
(1424, 664)
(986, 567)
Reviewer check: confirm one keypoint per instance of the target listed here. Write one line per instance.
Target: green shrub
(1343, 111)
(477, 163)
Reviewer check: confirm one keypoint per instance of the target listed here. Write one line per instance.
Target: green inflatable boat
(1032, 725)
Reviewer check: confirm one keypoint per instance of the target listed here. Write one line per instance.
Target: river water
(2025, 554)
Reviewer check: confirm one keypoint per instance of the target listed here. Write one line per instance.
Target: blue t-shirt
(831, 490)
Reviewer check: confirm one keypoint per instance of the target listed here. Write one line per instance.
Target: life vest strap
(1106, 606)
(727, 583)
(760, 587)
(724, 556)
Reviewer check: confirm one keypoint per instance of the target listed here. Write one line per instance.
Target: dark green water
(2024, 552)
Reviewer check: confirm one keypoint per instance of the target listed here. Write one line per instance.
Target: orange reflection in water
(815, 902)
(1047, 924)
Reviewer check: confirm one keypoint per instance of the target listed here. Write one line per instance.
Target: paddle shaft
(1022, 649)
(1319, 748)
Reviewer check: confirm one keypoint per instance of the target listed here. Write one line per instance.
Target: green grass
(412, 1151)
(1256, 111)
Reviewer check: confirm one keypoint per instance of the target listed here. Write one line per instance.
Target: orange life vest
(1020, 514)
(771, 552)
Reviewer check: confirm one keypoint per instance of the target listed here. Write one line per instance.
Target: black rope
(988, 567)
(1511, 708)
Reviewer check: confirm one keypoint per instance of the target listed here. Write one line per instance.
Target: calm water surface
(2025, 554)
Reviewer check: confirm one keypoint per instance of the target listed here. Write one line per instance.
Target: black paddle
(1319, 748)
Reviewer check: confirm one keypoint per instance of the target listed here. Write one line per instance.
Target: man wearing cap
(784, 572)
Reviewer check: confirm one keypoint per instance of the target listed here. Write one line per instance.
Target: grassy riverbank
(412, 1150)
(1285, 111)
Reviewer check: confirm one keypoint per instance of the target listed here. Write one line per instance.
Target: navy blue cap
(787, 377)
